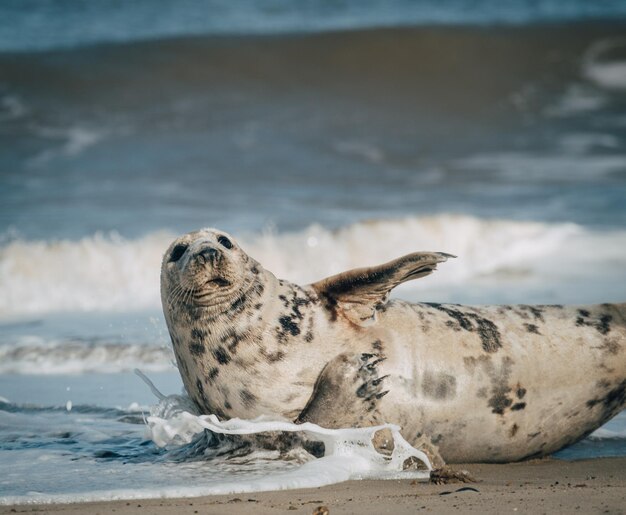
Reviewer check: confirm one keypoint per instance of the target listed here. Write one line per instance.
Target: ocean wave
(30, 355)
(604, 63)
(101, 272)
(108, 273)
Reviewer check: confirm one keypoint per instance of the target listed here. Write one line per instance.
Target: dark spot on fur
(611, 346)
(238, 306)
(438, 386)
(522, 314)
(289, 325)
(513, 431)
(198, 334)
(231, 339)
(520, 392)
(258, 306)
(308, 337)
(273, 357)
(499, 400)
(601, 324)
(537, 312)
(248, 398)
(221, 355)
(532, 328)
(255, 270)
(604, 325)
(213, 373)
(227, 405)
(613, 400)
(489, 334)
(472, 322)
(518, 406)
(197, 348)
(377, 345)
(533, 435)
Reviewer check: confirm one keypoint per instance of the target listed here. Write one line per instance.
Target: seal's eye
(225, 242)
(178, 252)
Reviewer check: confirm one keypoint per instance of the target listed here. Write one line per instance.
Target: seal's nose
(208, 255)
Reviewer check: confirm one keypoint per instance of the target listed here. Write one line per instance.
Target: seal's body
(494, 383)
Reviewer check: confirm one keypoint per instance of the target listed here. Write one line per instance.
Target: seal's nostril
(208, 255)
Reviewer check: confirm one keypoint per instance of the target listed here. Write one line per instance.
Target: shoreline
(537, 486)
(234, 38)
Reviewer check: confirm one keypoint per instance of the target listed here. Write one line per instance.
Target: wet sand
(540, 486)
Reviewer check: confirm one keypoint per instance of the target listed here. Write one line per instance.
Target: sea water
(323, 140)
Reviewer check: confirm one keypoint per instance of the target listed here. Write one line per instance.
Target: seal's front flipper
(358, 293)
(348, 389)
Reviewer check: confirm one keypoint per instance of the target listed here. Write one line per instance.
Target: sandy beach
(323, 137)
(540, 486)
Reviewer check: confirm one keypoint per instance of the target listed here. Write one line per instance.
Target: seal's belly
(503, 381)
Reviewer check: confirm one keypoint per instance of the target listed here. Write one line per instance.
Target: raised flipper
(358, 293)
(346, 391)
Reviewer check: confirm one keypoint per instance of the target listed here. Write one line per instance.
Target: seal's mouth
(210, 289)
(217, 281)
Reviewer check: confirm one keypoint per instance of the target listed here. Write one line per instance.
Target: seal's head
(204, 269)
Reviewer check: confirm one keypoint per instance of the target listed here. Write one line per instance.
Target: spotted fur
(489, 383)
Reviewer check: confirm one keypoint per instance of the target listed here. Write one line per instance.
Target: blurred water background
(343, 133)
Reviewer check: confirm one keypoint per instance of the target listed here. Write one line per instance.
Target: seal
(486, 384)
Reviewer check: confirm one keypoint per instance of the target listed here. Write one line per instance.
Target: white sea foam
(349, 453)
(604, 63)
(197, 456)
(98, 273)
(108, 273)
(32, 355)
